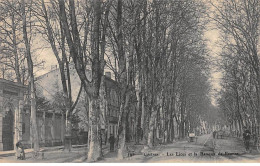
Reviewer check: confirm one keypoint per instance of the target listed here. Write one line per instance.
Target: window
(112, 130)
(113, 97)
(108, 131)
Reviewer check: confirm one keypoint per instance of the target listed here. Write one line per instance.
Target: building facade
(50, 83)
(15, 119)
(11, 108)
(15, 113)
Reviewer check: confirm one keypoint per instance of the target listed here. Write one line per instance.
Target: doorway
(8, 131)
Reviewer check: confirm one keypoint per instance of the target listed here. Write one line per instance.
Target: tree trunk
(151, 128)
(122, 137)
(66, 85)
(95, 151)
(181, 126)
(16, 58)
(124, 90)
(91, 87)
(143, 118)
(68, 132)
(35, 139)
(172, 130)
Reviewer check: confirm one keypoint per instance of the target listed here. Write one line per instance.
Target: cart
(191, 137)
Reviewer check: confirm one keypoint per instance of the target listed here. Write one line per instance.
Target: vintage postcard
(129, 81)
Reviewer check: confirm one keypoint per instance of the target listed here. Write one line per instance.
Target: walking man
(112, 142)
(214, 134)
(246, 137)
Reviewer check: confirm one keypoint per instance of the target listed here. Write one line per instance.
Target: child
(20, 151)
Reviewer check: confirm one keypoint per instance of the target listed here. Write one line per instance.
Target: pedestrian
(20, 151)
(112, 142)
(246, 138)
(214, 134)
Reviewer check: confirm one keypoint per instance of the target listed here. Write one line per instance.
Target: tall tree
(12, 55)
(56, 38)
(92, 87)
(32, 91)
(238, 22)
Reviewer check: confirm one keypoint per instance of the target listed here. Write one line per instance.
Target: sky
(216, 75)
(212, 35)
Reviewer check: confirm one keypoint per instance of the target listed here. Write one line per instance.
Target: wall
(50, 128)
(11, 99)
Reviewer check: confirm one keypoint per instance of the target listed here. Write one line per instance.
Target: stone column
(62, 127)
(53, 127)
(1, 124)
(31, 135)
(20, 120)
(16, 125)
(1, 119)
(43, 127)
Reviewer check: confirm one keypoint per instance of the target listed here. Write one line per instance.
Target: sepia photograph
(129, 81)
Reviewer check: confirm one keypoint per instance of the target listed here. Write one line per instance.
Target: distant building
(50, 83)
(15, 111)
(15, 119)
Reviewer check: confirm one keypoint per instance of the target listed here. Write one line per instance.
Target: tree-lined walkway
(205, 149)
(233, 150)
(162, 65)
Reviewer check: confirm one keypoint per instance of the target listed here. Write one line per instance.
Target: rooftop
(12, 83)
